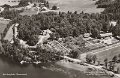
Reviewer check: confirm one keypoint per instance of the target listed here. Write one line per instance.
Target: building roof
(106, 34)
(113, 23)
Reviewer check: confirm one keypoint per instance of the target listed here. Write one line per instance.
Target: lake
(87, 6)
(10, 69)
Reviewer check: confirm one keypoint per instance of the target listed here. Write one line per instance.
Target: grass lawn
(103, 53)
(28, 12)
(109, 54)
(3, 25)
(9, 34)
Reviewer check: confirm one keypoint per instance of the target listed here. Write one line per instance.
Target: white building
(29, 6)
(107, 41)
(1, 9)
(103, 35)
(114, 23)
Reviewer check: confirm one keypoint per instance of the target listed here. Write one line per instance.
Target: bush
(32, 40)
(91, 58)
(74, 54)
(54, 7)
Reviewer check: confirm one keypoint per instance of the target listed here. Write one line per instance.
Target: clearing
(3, 25)
(9, 34)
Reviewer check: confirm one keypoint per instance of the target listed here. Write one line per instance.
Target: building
(1, 9)
(86, 35)
(104, 35)
(9, 2)
(113, 23)
(107, 41)
(34, 1)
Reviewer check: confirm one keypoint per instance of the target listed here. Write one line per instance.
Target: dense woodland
(112, 9)
(63, 25)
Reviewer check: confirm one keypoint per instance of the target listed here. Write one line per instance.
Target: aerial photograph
(59, 38)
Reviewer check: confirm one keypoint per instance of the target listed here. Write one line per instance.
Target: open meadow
(3, 25)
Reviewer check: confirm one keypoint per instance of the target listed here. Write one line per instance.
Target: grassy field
(9, 35)
(3, 25)
(76, 5)
(107, 52)
(28, 12)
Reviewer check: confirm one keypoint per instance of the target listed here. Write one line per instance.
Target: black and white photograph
(59, 38)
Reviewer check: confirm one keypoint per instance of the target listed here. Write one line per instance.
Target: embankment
(88, 70)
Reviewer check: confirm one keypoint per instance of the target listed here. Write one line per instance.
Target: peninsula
(37, 33)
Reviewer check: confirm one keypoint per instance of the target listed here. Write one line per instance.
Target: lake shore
(88, 69)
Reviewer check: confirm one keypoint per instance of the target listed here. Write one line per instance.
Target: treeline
(112, 10)
(112, 64)
(112, 7)
(104, 3)
(10, 14)
(24, 3)
(17, 53)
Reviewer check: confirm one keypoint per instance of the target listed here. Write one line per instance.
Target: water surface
(76, 5)
(8, 66)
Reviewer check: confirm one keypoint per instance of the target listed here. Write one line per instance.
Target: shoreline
(84, 68)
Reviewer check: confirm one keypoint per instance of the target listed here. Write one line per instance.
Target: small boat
(22, 62)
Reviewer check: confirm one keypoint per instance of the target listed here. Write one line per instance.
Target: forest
(67, 24)
(63, 25)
